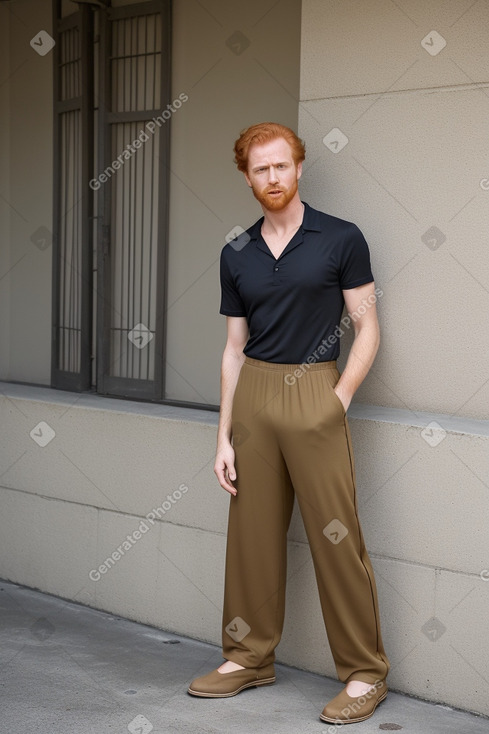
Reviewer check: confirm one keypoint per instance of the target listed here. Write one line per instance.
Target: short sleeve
(231, 302)
(354, 267)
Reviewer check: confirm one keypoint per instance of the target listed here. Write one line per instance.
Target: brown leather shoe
(345, 709)
(222, 685)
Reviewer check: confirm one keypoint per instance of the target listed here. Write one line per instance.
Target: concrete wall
(394, 103)
(416, 125)
(68, 505)
(239, 64)
(5, 208)
(26, 187)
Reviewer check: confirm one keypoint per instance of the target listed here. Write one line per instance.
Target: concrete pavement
(69, 669)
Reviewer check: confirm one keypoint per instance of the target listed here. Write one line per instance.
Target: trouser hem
(364, 678)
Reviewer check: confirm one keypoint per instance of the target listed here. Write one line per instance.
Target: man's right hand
(224, 468)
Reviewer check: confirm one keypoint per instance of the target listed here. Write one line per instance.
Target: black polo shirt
(293, 304)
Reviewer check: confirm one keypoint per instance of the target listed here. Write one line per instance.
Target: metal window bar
(133, 199)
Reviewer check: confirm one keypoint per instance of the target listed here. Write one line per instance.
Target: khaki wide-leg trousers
(291, 436)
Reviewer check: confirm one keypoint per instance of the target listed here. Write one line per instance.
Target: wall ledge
(419, 419)
(92, 401)
(357, 411)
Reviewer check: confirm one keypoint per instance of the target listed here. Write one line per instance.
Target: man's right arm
(232, 361)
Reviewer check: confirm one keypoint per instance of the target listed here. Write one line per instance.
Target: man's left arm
(361, 306)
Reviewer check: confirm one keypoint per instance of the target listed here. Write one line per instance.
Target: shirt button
(275, 268)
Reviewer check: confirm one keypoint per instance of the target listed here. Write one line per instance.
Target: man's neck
(279, 223)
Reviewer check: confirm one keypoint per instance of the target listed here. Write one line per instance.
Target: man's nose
(272, 175)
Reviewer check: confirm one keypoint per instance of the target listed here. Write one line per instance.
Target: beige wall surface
(405, 89)
(239, 64)
(114, 469)
(5, 207)
(394, 108)
(26, 201)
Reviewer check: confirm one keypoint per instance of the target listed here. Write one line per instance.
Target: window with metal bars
(112, 83)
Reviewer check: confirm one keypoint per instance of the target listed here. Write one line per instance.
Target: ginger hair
(264, 132)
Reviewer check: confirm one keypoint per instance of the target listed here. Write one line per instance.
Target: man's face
(272, 174)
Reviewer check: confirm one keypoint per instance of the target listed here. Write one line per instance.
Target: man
(283, 429)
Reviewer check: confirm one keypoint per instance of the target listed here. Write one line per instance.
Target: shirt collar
(310, 222)
(312, 219)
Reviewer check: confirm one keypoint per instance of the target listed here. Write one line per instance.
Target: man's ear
(247, 179)
(299, 170)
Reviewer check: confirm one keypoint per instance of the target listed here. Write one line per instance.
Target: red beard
(275, 203)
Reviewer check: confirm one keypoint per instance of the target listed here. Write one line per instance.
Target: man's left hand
(343, 396)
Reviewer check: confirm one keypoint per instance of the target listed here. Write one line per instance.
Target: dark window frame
(95, 230)
(108, 384)
(79, 310)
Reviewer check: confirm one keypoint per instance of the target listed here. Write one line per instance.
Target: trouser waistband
(302, 366)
